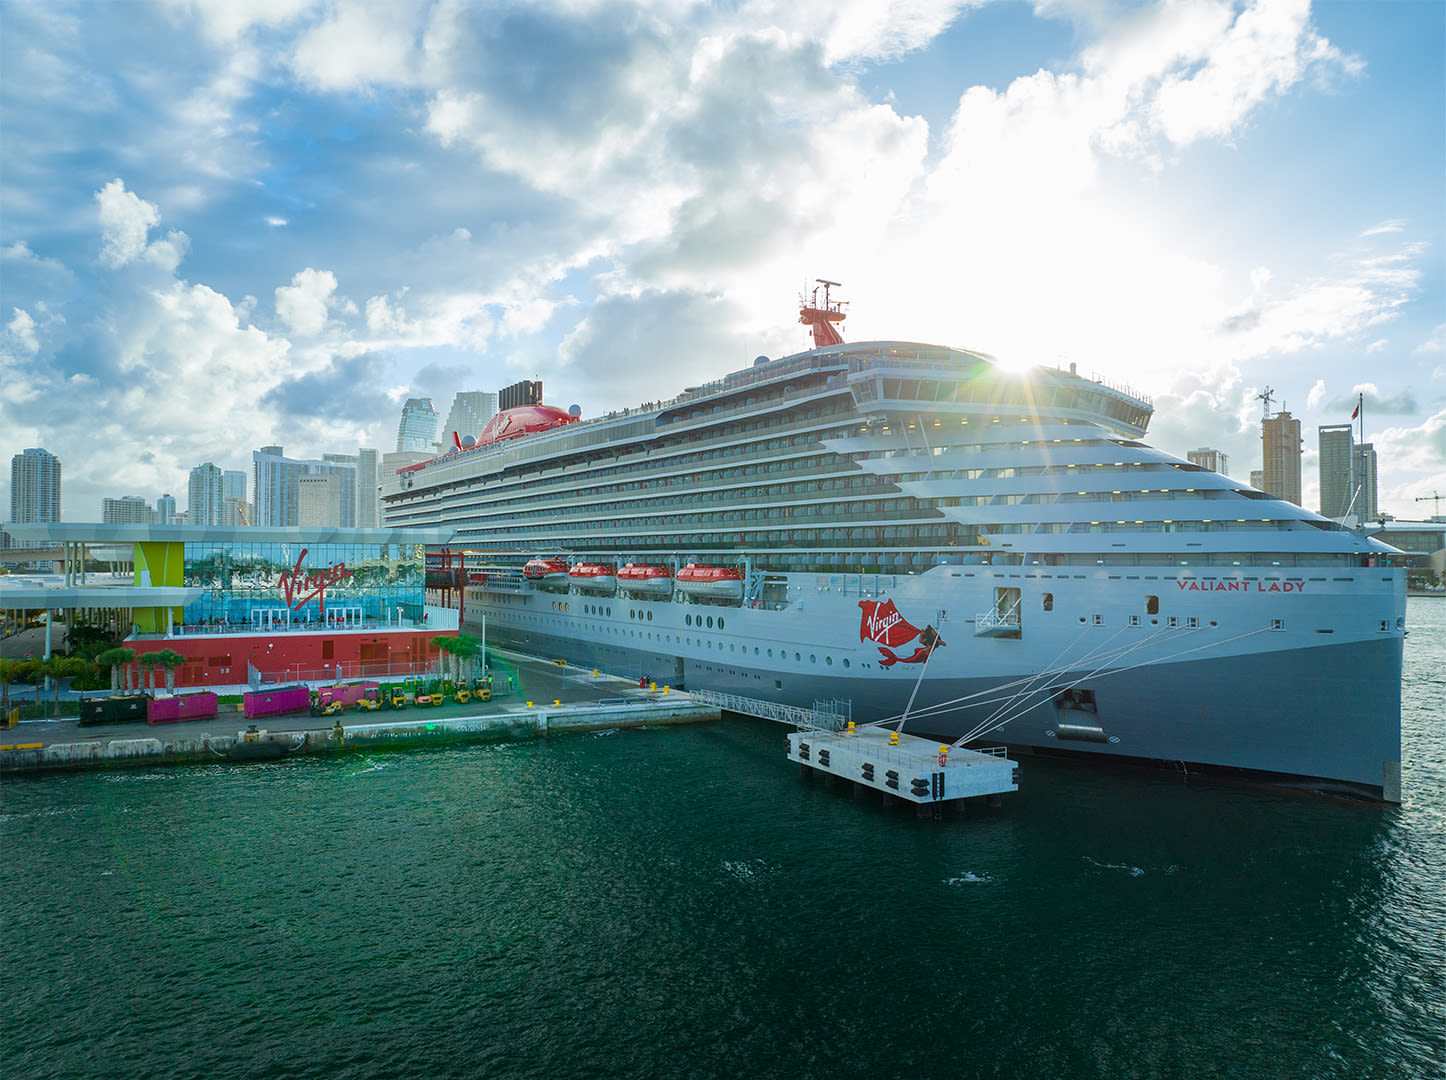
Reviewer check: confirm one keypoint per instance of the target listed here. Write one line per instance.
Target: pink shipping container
(284, 699)
(174, 710)
(346, 693)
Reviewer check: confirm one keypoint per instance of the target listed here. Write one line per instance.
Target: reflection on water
(678, 903)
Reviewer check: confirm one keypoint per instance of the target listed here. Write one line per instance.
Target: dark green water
(677, 903)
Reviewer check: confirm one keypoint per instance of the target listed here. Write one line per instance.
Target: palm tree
(149, 662)
(465, 648)
(58, 667)
(116, 660)
(447, 643)
(170, 660)
(9, 672)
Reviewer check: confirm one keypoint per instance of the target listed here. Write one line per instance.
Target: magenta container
(284, 699)
(174, 710)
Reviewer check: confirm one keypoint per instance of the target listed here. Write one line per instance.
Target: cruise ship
(941, 544)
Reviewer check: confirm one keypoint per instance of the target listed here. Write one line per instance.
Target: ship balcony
(993, 623)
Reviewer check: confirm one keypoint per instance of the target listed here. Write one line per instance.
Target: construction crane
(1433, 498)
(1265, 397)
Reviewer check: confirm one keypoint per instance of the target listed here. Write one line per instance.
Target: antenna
(1265, 397)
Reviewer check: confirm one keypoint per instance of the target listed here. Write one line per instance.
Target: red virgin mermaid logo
(885, 627)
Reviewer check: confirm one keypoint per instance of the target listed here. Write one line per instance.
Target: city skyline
(337, 208)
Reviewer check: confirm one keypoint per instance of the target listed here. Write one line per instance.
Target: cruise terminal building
(248, 604)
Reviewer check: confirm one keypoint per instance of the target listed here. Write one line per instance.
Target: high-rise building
(276, 482)
(418, 427)
(207, 502)
(234, 508)
(1214, 460)
(1257, 479)
(34, 488)
(165, 509)
(1367, 497)
(320, 497)
(127, 510)
(368, 489)
(1336, 457)
(471, 409)
(1281, 443)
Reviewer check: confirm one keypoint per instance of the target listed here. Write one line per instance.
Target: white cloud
(1394, 226)
(1317, 394)
(360, 45)
(303, 304)
(1265, 51)
(125, 221)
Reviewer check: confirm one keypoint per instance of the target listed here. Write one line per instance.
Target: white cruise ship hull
(1282, 673)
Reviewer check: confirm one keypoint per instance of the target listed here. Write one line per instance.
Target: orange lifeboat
(711, 582)
(551, 573)
(646, 580)
(593, 577)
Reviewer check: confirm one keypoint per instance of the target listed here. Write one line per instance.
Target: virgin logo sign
(888, 629)
(299, 587)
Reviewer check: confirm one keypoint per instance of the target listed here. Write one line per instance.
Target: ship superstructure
(910, 528)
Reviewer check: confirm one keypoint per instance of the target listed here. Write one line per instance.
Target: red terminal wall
(222, 660)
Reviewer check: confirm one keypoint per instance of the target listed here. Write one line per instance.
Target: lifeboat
(593, 577)
(646, 580)
(712, 582)
(551, 573)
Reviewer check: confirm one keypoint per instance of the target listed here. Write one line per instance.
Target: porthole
(730, 648)
(720, 622)
(846, 663)
(797, 658)
(812, 659)
(770, 654)
(687, 620)
(828, 660)
(650, 616)
(610, 611)
(710, 622)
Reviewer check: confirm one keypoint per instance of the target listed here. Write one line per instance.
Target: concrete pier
(577, 701)
(907, 767)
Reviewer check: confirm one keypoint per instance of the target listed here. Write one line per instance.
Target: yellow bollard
(893, 738)
(555, 701)
(665, 689)
(594, 673)
(652, 686)
(529, 704)
(851, 729)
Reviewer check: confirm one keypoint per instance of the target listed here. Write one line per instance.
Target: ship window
(710, 622)
(845, 663)
(1048, 601)
(720, 622)
(812, 659)
(650, 616)
(1152, 605)
(688, 620)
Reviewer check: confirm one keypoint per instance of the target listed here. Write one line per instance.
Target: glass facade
(267, 586)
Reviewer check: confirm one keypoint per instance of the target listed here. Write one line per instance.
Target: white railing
(994, 620)
(806, 719)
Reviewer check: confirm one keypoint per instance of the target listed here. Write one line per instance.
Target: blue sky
(231, 223)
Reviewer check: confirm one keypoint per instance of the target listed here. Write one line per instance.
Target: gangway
(821, 717)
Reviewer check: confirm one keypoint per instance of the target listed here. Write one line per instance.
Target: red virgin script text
(1243, 586)
(298, 588)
